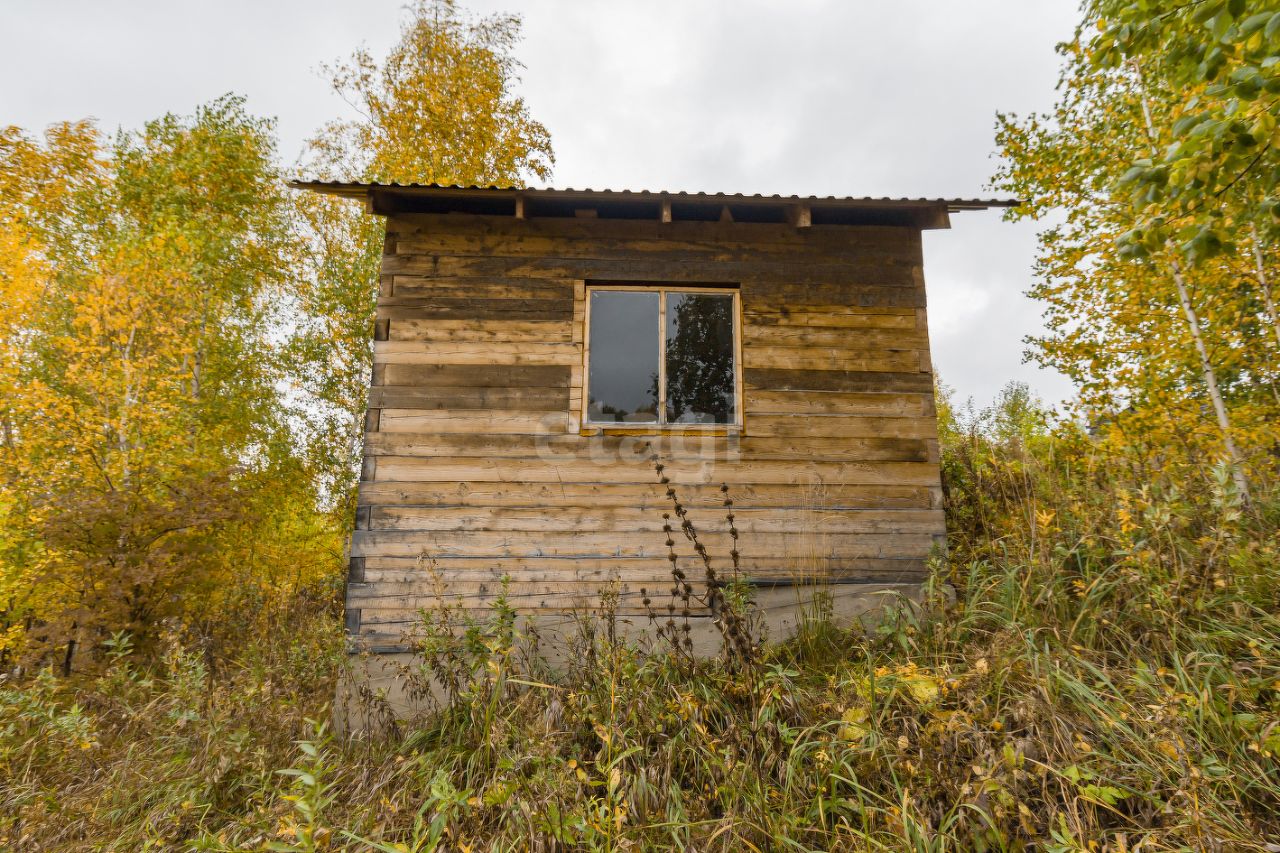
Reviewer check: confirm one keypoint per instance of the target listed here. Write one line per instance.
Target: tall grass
(1095, 667)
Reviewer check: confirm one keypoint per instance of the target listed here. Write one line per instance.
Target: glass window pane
(622, 381)
(700, 358)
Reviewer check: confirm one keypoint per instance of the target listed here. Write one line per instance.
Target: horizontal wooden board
(627, 521)
(683, 234)
(874, 404)
(856, 284)
(453, 398)
(832, 358)
(814, 448)
(840, 426)
(375, 602)
(636, 450)
(885, 248)
(475, 309)
(468, 352)
(473, 420)
(773, 379)
(760, 312)
(642, 449)
(703, 499)
(428, 543)
(405, 468)
(475, 375)
(387, 618)
(396, 625)
(478, 330)
(866, 339)
(854, 290)
(409, 572)
(480, 288)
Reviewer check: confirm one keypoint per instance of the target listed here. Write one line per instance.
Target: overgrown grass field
(1096, 666)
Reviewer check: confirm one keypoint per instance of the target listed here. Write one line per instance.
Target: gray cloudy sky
(831, 97)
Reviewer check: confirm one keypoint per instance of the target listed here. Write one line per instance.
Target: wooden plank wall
(475, 467)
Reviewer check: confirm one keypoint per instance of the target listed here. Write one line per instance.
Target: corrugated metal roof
(353, 189)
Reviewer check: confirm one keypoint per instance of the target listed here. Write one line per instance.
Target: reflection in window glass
(622, 380)
(699, 358)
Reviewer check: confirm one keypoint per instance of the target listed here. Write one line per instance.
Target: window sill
(661, 429)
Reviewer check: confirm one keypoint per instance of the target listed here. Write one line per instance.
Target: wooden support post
(519, 207)
(800, 216)
(664, 213)
(380, 204)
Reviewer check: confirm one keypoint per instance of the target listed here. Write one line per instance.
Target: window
(662, 356)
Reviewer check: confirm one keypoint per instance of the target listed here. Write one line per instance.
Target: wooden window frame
(590, 427)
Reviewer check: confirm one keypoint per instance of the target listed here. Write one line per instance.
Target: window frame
(590, 427)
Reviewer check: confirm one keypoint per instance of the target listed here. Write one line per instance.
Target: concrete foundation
(376, 690)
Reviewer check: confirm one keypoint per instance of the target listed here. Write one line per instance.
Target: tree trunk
(1211, 382)
(1263, 284)
(70, 653)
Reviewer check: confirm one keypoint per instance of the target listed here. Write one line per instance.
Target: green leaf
(1253, 23)
(1273, 26)
(1187, 122)
(1132, 175)
(1205, 12)
(1102, 794)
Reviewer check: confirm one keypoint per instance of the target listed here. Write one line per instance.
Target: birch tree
(441, 107)
(1166, 332)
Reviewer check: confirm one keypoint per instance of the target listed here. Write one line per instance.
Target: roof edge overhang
(390, 199)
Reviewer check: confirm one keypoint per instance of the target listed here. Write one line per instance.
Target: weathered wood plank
(506, 287)
(848, 283)
(476, 329)
(876, 404)
(409, 599)
(759, 312)
(411, 469)
(852, 290)
(467, 352)
(476, 376)
(649, 496)
(458, 398)
(839, 426)
(830, 358)
(773, 379)
(475, 309)
(478, 420)
(815, 448)
(683, 235)
(421, 575)
(636, 450)
(641, 449)
(512, 244)
(413, 543)
(757, 335)
(627, 521)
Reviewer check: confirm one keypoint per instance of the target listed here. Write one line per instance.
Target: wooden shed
(535, 349)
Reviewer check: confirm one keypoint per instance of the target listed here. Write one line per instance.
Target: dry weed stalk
(727, 613)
